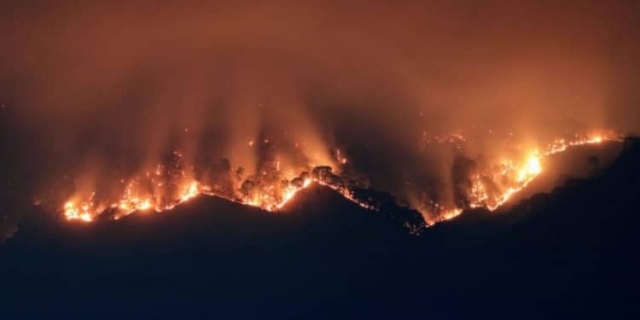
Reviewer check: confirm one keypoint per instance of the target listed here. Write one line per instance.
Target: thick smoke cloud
(124, 81)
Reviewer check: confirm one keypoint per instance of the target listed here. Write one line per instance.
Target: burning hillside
(143, 106)
(474, 183)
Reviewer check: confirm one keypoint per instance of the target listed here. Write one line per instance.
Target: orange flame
(510, 177)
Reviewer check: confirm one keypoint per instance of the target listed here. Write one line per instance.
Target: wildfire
(531, 168)
(525, 174)
(168, 185)
(274, 200)
(190, 191)
(561, 145)
(516, 176)
(450, 214)
(290, 192)
(73, 211)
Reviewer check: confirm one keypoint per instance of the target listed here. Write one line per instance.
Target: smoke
(119, 84)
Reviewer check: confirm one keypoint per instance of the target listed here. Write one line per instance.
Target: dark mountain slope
(571, 253)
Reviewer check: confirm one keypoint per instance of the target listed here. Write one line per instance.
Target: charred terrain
(572, 252)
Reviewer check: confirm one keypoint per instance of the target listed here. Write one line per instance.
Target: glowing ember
(448, 215)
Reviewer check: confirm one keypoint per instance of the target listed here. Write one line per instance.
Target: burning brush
(172, 182)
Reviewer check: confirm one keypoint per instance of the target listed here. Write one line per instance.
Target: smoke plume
(102, 90)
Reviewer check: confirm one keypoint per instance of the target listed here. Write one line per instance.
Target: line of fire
(484, 182)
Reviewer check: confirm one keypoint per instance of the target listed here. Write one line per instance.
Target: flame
(490, 187)
(530, 169)
(270, 199)
(450, 214)
(560, 145)
(290, 192)
(73, 211)
(518, 175)
(190, 191)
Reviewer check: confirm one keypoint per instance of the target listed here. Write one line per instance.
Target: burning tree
(463, 172)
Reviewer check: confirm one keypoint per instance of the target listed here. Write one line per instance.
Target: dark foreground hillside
(572, 253)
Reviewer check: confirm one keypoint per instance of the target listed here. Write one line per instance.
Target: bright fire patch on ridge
(510, 177)
(165, 188)
(88, 210)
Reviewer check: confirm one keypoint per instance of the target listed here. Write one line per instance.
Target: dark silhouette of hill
(568, 254)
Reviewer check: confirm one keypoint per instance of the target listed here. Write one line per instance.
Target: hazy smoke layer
(118, 84)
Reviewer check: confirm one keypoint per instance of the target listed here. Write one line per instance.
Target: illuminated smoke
(474, 186)
(137, 106)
